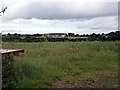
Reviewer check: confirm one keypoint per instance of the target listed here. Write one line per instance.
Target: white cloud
(32, 16)
(98, 25)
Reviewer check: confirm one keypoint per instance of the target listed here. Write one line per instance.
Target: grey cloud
(61, 10)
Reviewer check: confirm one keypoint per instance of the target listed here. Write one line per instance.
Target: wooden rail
(14, 52)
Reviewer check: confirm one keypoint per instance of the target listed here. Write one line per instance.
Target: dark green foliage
(71, 34)
(8, 72)
(40, 39)
(71, 37)
(112, 36)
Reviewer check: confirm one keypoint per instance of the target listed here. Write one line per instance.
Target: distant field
(77, 37)
(67, 64)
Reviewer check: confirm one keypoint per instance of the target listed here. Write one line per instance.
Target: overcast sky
(59, 16)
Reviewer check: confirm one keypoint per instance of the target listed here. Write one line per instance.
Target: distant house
(55, 34)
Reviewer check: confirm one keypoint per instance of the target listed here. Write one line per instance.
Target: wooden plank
(8, 52)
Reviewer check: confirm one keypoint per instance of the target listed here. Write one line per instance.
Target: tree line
(112, 36)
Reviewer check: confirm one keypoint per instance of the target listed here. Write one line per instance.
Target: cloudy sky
(59, 16)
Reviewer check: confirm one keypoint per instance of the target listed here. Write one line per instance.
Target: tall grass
(71, 62)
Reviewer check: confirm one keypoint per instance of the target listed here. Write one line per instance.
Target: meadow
(66, 64)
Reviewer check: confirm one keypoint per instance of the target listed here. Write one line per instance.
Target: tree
(71, 34)
(15, 34)
(77, 35)
(8, 34)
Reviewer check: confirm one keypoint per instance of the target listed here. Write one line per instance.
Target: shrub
(8, 72)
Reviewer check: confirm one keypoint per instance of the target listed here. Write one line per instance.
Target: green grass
(70, 62)
(77, 37)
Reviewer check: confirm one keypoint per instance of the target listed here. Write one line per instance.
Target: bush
(8, 72)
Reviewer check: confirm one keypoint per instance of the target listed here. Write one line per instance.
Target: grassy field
(67, 64)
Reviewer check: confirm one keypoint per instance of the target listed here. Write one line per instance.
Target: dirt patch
(82, 84)
(60, 84)
(96, 83)
(86, 84)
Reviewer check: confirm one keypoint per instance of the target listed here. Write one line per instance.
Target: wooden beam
(14, 52)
